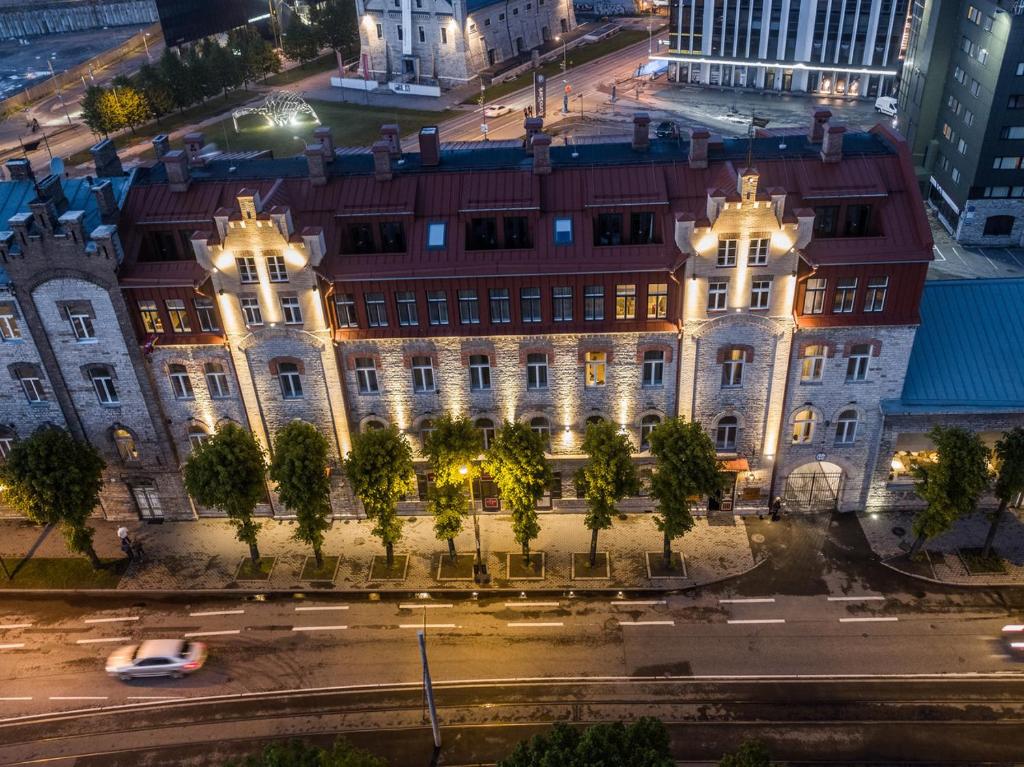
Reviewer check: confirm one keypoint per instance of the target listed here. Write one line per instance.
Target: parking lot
(956, 261)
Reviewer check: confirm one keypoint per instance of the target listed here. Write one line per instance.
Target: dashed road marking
(211, 633)
(531, 604)
(639, 603)
(319, 628)
(8, 626)
(424, 606)
(320, 608)
(868, 620)
(111, 620)
(79, 697)
(750, 601)
(154, 697)
(535, 624)
(14, 698)
(102, 640)
(647, 623)
(215, 612)
(759, 620)
(13, 646)
(427, 626)
(865, 598)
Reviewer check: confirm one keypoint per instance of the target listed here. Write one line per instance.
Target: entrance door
(814, 487)
(148, 501)
(787, 80)
(724, 498)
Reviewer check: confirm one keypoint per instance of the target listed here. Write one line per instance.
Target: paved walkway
(205, 555)
(942, 561)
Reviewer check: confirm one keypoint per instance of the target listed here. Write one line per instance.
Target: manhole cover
(899, 531)
(757, 538)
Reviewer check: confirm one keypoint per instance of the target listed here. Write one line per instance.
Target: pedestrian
(122, 533)
(138, 552)
(126, 547)
(776, 508)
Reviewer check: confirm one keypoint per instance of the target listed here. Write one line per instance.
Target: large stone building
(450, 43)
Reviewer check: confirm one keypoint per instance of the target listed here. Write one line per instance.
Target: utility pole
(145, 42)
(428, 689)
(57, 90)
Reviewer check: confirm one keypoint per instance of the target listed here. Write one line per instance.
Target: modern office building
(961, 106)
(801, 46)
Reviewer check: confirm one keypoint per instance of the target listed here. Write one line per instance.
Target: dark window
(561, 300)
(608, 229)
(207, 315)
(469, 307)
(392, 237)
(641, 228)
(166, 246)
(345, 305)
(482, 234)
(501, 310)
(360, 238)
(406, 301)
(825, 219)
(437, 307)
(858, 219)
(999, 225)
(517, 232)
(593, 302)
(376, 310)
(529, 304)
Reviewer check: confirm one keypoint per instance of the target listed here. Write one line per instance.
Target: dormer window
(608, 229)
(563, 231)
(392, 237)
(482, 234)
(435, 235)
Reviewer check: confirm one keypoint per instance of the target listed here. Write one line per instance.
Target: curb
(951, 584)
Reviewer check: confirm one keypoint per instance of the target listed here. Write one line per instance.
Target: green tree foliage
(337, 27)
(224, 67)
(99, 111)
(300, 40)
(227, 473)
(643, 743)
(300, 470)
(1009, 460)
(453, 444)
(952, 484)
(53, 479)
(686, 466)
(297, 753)
(380, 470)
(750, 754)
(256, 57)
(175, 76)
(608, 476)
(449, 506)
(158, 94)
(131, 107)
(517, 463)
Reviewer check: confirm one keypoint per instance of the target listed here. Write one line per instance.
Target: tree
(452, 445)
(686, 466)
(225, 68)
(53, 479)
(517, 463)
(750, 754)
(300, 41)
(298, 753)
(99, 111)
(153, 86)
(202, 82)
(951, 485)
(608, 476)
(227, 472)
(255, 56)
(380, 470)
(337, 28)
(131, 107)
(643, 743)
(175, 76)
(300, 469)
(1009, 460)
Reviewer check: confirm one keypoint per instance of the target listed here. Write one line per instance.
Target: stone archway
(814, 486)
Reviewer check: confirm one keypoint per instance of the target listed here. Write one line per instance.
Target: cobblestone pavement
(943, 561)
(205, 555)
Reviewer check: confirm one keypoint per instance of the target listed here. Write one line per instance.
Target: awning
(735, 464)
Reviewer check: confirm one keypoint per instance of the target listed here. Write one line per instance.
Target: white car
(497, 110)
(157, 657)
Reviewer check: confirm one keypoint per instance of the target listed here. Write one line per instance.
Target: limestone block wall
(971, 227)
(16, 412)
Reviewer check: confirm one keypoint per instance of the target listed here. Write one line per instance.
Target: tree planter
(379, 568)
(656, 569)
(582, 571)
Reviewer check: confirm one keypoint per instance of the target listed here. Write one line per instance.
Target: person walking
(776, 508)
(126, 547)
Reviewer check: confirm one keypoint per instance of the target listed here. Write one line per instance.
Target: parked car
(886, 105)
(667, 129)
(497, 110)
(157, 657)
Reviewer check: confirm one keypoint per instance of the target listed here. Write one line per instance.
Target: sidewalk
(943, 561)
(205, 555)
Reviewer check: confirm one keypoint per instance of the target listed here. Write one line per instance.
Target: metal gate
(813, 490)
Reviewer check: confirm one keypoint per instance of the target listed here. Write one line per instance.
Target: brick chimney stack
(161, 145)
(317, 164)
(104, 156)
(641, 132)
(325, 138)
(832, 146)
(391, 133)
(532, 126)
(103, 191)
(541, 154)
(20, 169)
(698, 155)
(430, 146)
(382, 161)
(819, 124)
(194, 143)
(176, 165)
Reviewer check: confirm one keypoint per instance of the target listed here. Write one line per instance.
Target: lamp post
(479, 569)
(57, 90)
(563, 41)
(145, 42)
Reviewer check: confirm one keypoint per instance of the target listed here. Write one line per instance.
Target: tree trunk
(526, 553)
(451, 551)
(389, 549)
(93, 557)
(254, 553)
(990, 538)
(917, 545)
(318, 554)
(666, 551)
(593, 547)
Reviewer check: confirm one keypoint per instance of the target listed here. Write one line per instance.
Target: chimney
(73, 224)
(390, 133)
(698, 156)
(51, 190)
(20, 170)
(176, 165)
(161, 145)
(6, 244)
(430, 146)
(326, 141)
(317, 164)
(104, 155)
(194, 148)
(532, 126)
(108, 242)
(249, 203)
(819, 124)
(103, 191)
(541, 154)
(641, 132)
(832, 146)
(44, 215)
(747, 184)
(382, 160)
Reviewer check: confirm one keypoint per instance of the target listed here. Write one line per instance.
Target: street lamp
(145, 42)
(479, 569)
(563, 41)
(57, 90)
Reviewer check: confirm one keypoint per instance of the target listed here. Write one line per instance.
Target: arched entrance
(815, 486)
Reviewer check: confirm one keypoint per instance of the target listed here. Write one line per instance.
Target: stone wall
(971, 228)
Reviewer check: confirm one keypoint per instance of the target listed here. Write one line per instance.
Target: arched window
(803, 426)
(125, 442)
(373, 425)
(181, 384)
(540, 425)
(31, 379)
(216, 380)
(647, 425)
(846, 427)
(999, 226)
(197, 435)
(486, 427)
(426, 429)
(594, 419)
(102, 378)
(7, 438)
(291, 380)
(725, 434)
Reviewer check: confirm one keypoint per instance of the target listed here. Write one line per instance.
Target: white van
(886, 105)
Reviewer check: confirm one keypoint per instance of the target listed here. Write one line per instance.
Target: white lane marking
(111, 620)
(639, 602)
(153, 697)
(760, 620)
(79, 697)
(417, 607)
(15, 646)
(867, 620)
(103, 640)
(215, 612)
(752, 601)
(427, 626)
(320, 608)
(647, 623)
(17, 698)
(319, 628)
(211, 633)
(857, 599)
(938, 253)
(15, 626)
(533, 624)
(531, 604)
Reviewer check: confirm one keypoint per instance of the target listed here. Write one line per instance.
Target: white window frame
(718, 295)
(648, 424)
(291, 310)
(178, 315)
(486, 432)
(804, 428)
(181, 382)
(423, 374)
(33, 388)
(479, 372)
(653, 375)
(290, 381)
(437, 307)
(876, 293)
(206, 314)
(536, 371)
(726, 434)
(757, 255)
(499, 304)
(760, 293)
(247, 274)
(366, 375)
(814, 295)
(217, 383)
(197, 436)
(277, 270)
(82, 326)
(812, 366)
(732, 369)
(845, 297)
(252, 312)
(726, 254)
(857, 363)
(405, 301)
(847, 428)
(469, 306)
(595, 370)
(9, 330)
(103, 385)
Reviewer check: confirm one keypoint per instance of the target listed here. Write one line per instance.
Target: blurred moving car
(497, 110)
(667, 129)
(1013, 638)
(157, 657)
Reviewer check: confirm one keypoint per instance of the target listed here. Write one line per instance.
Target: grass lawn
(247, 571)
(657, 569)
(581, 566)
(460, 570)
(518, 568)
(379, 570)
(310, 572)
(976, 564)
(576, 56)
(302, 71)
(63, 573)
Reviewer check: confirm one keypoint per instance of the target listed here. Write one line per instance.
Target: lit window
(846, 427)
(760, 293)
(803, 426)
(436, 231)
(845, 295)
(180, 322)
(125, 443)
(857, 362)
(207, 318)
(376, 310)
(813, 364)
(657, 300)
(529, 304)
(561, 304)
(247, 269)
(216, 380)
(654, 368)
(290, 380)
(406, 301)
(276, 269)
(625, 302)
(181, 384)
(814, 295)
(486, 429)
(563, 231)
(469, 307)
(874, 298)
(536, 371)
(500, 306)
(758, 255)
(290, 310)
(150, 315)
(726, 253)
(437, 307)
(725, 433)
(373, 425)
(345, 306)
(732, 368)
(426, 429)
(366, 375)
(647, 424)
(595, 368)
(422, 374)
(103, 383)
(251, 310)
(593, 302)
(717, 296)
(479, 372)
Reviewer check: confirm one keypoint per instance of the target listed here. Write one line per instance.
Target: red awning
(736, 464)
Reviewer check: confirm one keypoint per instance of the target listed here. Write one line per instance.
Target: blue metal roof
(15, 197)
(476, 5)
(967, 353)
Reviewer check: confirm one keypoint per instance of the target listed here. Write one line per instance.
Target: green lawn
(576, 56)
(302, 71)
(62, 573)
